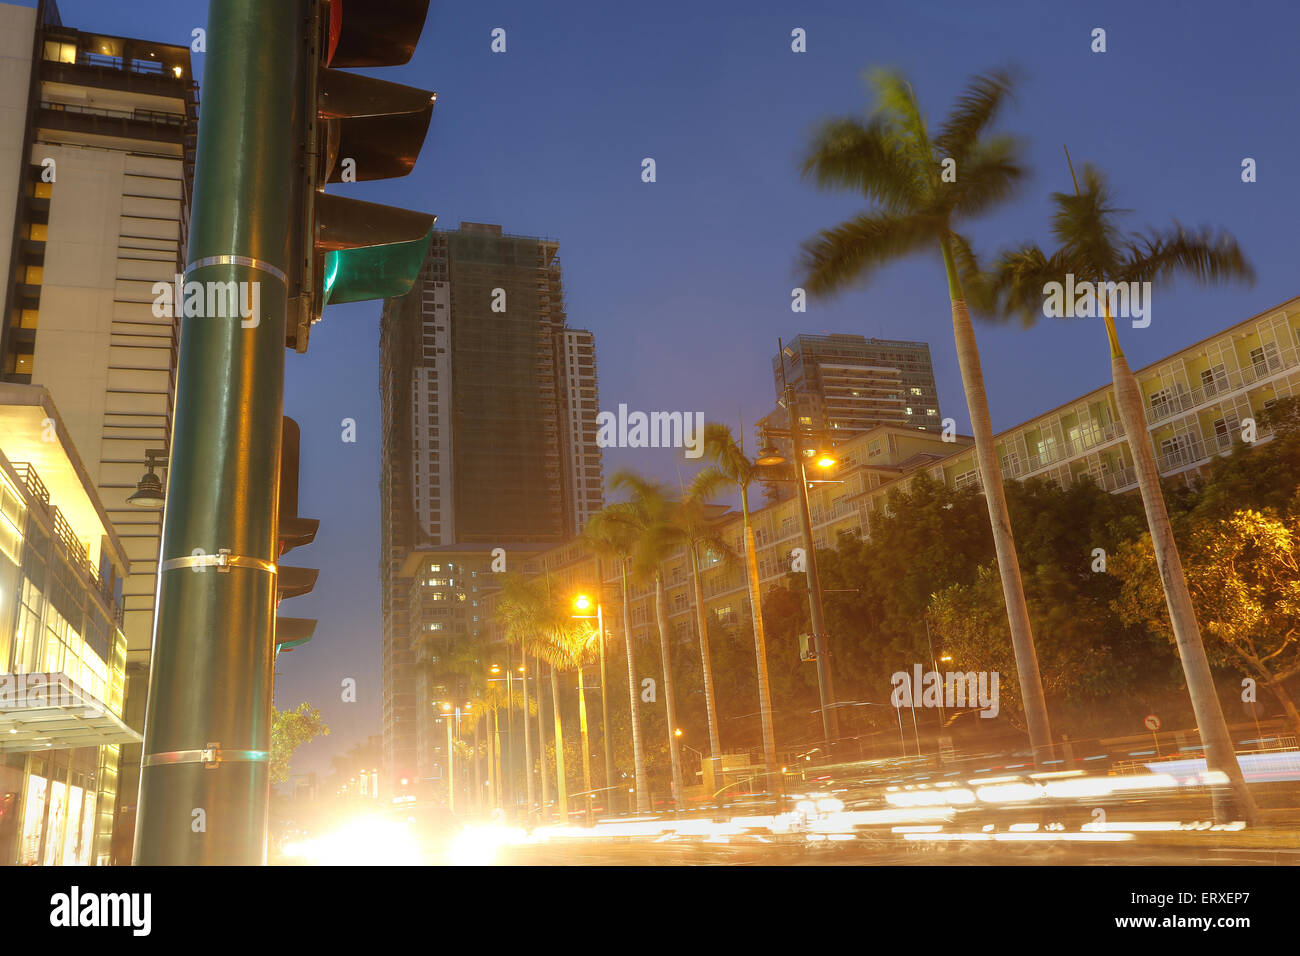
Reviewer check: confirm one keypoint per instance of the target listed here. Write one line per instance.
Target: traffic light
(352, 128)
(292, 532)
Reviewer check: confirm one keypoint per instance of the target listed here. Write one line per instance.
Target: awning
(50, 712)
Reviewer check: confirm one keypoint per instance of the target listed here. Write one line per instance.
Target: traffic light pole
(204, 788)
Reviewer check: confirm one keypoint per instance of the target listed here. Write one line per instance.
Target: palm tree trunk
(561, 782)
(665, 656)
(1233, 802)
(990, 472)
(638, 755)
(529, 788)
(586, 741)
(545, 773)
(701, 623)
(760, 642)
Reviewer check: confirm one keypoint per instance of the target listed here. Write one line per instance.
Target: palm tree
(520, 611)
(612, 536)
(569, 646)
(1092, 249)
(732, 466)
(922, 187)
(648, 509)
(690, 525)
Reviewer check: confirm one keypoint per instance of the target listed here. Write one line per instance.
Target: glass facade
(57, 618)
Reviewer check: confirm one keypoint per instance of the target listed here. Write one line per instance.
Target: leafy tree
(1244, 576)
(290, 729)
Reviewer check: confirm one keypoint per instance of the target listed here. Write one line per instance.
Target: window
(1178, 450)
(914, 390)
(873, 447)
(1264, 359)
(932, 412)
(1224, 431)
(1214, 380)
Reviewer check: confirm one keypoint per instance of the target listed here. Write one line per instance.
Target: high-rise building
(845, 385)
(489, 441)
(97, 136)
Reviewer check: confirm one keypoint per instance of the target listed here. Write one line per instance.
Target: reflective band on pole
(223, 560)
(211, 756)
(259, 264)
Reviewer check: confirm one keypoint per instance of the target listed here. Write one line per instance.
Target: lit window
(33, 275)
(37, 231)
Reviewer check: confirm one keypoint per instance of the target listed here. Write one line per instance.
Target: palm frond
(849, 252)
(973, 112)
(1016, 282)
(721, 446)
(848, 154)
(1204, 255)
(989, 174)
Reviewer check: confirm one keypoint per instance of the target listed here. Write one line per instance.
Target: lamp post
(817, 615)
(583, 603)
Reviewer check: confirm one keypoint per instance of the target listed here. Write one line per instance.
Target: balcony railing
(1186, 400)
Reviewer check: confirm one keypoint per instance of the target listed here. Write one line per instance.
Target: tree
(290, 729)
(611, 534)
(732, 466)
(1244, 577)
(648, 511)
(1093, 250)
(922, 188)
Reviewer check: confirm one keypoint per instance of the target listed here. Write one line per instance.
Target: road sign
(1152, 722)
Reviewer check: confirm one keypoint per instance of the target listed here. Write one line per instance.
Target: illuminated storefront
(62, 649)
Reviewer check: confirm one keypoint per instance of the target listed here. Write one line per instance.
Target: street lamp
(822, 459)
(584, 603)
(149, 489)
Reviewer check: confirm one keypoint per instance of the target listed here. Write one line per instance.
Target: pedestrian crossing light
(353, 128)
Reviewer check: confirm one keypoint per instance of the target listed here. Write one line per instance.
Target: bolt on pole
(205, 785)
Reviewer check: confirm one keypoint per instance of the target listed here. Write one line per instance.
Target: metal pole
(204, 782)
(604, 714)
(830, 721)
(451, 765)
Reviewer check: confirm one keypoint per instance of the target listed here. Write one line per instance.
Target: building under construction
(489, 406)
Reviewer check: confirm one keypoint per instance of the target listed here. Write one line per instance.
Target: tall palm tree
(691, 526)
(1093, 249)
(569, 646)
(521, 611)
(649, 508)
(732, 466)
(611, 536)
(922, 188)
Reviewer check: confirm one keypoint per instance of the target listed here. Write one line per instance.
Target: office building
(845, 385)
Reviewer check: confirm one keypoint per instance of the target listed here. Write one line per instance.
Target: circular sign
(1152, 722)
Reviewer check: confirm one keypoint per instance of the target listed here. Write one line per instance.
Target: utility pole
(205, 783)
